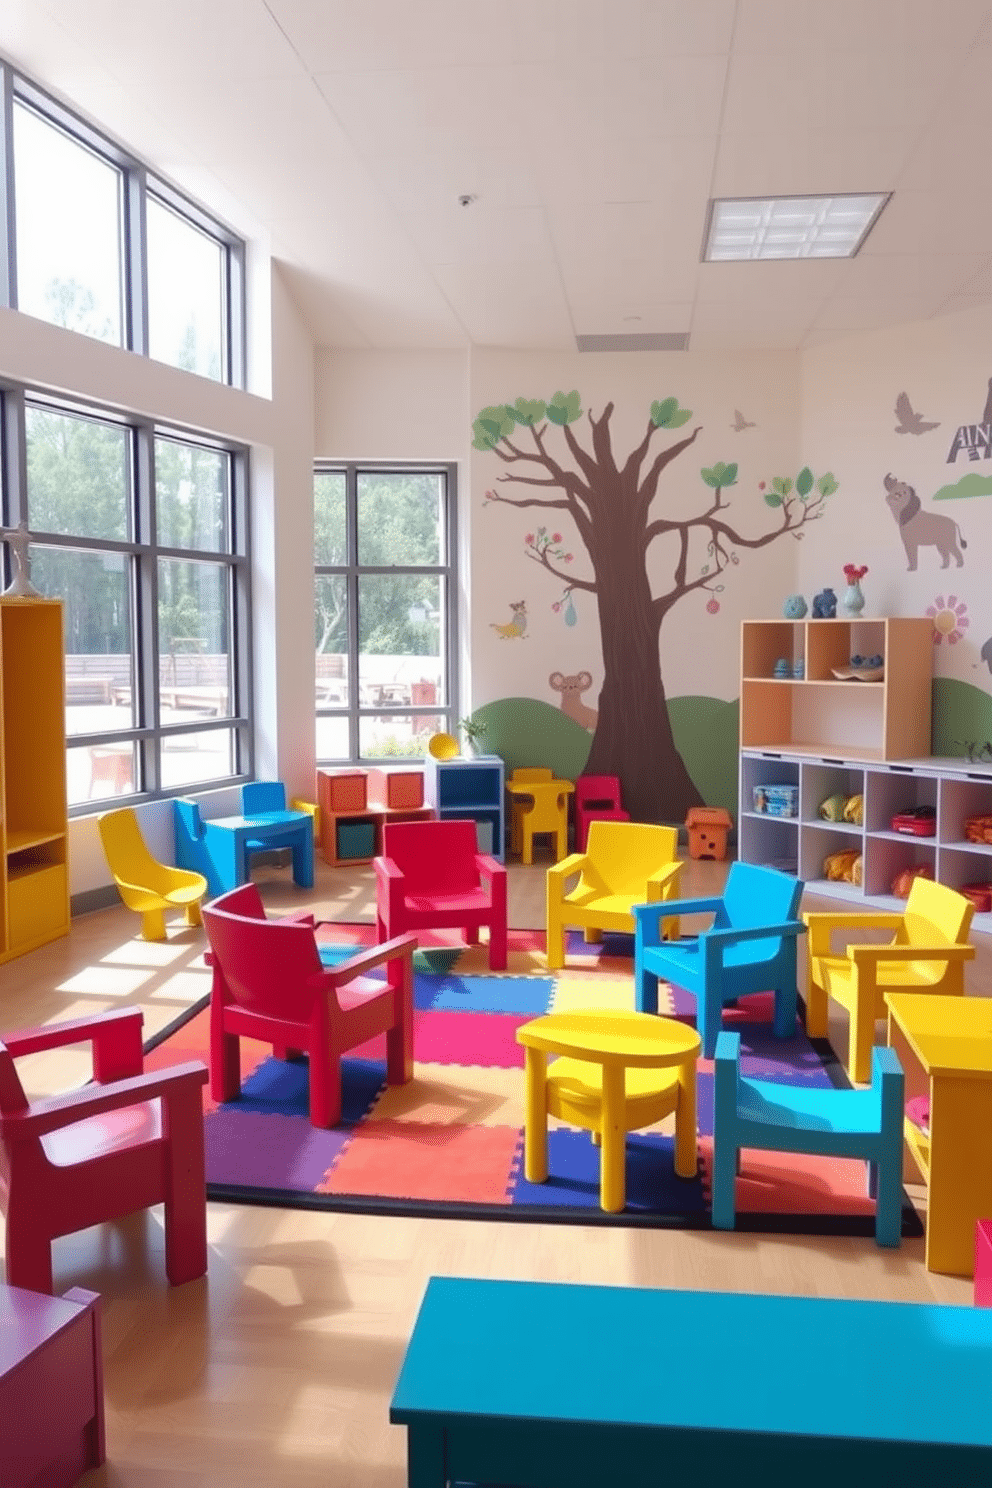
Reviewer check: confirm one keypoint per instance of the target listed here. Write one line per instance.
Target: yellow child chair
(147, 886)
(540, 805)
(927, 952)
(625, 863)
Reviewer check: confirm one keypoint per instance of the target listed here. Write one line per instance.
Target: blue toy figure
(794, 607)
(825, 605)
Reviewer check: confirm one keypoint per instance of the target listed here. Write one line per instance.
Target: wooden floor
(277, 1368)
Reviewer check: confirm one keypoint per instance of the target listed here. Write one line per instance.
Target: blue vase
(854, 600)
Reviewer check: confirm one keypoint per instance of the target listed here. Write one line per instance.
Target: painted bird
(910, 422)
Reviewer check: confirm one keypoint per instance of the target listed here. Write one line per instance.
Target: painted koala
(922, 529)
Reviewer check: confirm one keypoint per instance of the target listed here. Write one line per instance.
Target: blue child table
(548, 1385)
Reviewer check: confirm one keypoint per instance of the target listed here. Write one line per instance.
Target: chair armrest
(114, 1035)
(728, 1049)
(57, 1111)
(300, 917)
(861, 954)
(385, 869)
(666, 875)
(489, 867)
(363, 961)
(820, 923)
(648, 917)
(568, 867)
(734, 934)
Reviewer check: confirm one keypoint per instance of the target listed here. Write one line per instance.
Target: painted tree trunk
(633, 737)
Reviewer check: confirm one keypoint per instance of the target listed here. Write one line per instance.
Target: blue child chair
(750, 947)
(799, 1118)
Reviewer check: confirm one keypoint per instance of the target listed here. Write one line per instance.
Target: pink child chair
(597, 798)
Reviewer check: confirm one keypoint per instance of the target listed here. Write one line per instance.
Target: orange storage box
(399, 790)
(345, 791)
(707, 827)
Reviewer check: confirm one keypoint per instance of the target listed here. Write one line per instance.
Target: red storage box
(345, 791)
(980, 895)
(916, 821)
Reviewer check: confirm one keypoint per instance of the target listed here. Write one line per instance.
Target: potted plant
(473, 731)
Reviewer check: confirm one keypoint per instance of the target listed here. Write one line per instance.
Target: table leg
(303, 858)
(425, 1464)
(535, 1116)
(612, 1176)
(685, 1120)
(960, 1186)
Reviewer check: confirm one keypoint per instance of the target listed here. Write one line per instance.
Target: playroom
(497, 826)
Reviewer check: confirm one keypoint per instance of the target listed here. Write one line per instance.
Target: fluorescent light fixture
(790, 226)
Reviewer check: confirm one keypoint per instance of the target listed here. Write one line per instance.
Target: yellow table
(944, 1044)
(617, 1071)
(547, 813)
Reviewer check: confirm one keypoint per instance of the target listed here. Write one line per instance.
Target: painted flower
(556, 537)
(950, 619)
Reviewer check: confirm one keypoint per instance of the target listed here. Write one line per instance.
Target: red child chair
(269, 984)
(597, 798)
(125, 1142)
(432, 875)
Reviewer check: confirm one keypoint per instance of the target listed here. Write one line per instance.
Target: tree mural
(610, 500)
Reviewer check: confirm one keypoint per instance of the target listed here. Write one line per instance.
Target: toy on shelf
(903, 882)
(854, 810)
(832, 809)
(846, 866)
(978, 829)
(825, 605)
(915, 821)
(707, 828)
(776, 800)
(980, 895)
(782, 669)
(794, 607)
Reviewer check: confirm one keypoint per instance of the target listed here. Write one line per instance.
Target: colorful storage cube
(356, 840)
(399, 790)
(346, 791)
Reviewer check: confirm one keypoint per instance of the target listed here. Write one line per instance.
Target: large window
(384, 548)
(142, 533)
(102, 247)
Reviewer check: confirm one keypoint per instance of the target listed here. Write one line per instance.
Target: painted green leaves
(720, 475)
(805, 483)
(492, 425)
(667, 414)
(565, 408)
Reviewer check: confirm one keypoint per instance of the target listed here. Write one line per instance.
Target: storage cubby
(820, 714)
(34, 893)
(471, 788)
(953, 788)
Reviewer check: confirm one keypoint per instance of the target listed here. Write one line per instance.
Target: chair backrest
(265, 964)
(754, 896)
(186, 814)
(528, 772)
(602, 791)
(258, 796)
(125, 848)
(434, 856)
(936, 915)
(621, 856)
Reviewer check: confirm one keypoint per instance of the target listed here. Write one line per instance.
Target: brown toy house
(708, 827)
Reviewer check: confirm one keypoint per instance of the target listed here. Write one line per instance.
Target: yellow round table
(616, 1071)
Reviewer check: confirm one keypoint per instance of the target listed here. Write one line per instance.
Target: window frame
(352, 571)
(138, 183)
(141, 551)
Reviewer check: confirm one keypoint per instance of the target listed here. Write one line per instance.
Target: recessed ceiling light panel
(790, 226)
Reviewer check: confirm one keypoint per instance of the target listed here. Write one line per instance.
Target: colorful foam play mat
(450, 1143)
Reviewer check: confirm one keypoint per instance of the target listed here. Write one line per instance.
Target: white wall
(849, 423)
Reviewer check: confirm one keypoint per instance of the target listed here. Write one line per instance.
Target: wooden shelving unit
(470, 788)
(34, 831)
(817, 714)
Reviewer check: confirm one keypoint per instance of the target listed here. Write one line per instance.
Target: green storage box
(356, 839)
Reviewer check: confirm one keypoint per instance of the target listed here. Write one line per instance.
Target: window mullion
(145, 579)
(135, 261)
(8, 225)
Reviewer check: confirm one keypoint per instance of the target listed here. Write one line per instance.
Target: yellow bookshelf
(34, 828)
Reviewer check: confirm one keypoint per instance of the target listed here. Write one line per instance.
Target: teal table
(558, 1386)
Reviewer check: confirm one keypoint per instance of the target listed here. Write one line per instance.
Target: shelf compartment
(38, 904)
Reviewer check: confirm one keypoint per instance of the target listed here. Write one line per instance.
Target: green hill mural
(529, 733)
(962, 714)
